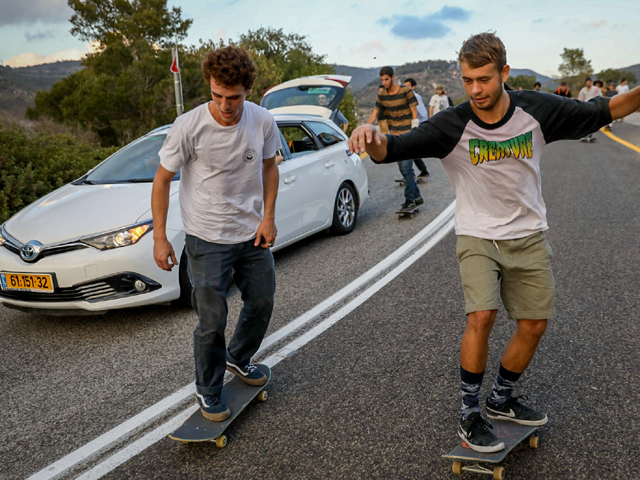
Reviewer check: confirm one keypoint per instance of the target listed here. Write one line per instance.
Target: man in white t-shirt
(588, 92)
(438, 102)
(622, 88)
(226, 151)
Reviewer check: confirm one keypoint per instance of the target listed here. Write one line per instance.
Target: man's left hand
(266, 234)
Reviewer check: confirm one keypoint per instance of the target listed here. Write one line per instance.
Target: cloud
(27, 59)
(32, 11)
(374, 46)
(429, 26)
(39, 36)
(538, 20)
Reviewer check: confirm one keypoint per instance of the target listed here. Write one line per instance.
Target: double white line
(431, 234)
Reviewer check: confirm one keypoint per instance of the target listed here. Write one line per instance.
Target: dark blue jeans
(411, 191)
(210, 267)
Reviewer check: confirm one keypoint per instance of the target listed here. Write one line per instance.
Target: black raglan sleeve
(434, 138)
(564, 118)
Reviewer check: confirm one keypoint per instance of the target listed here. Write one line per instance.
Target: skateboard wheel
(221, 441)
(498, 473)
(399, 217)
(263, 395)
(457, 467)
(411, 216)
(534, 442)
(185, 442)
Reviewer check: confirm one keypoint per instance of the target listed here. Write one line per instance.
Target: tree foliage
(33, 165)
(574, 63)
(524, 81)
(127, 20)
(611, 75)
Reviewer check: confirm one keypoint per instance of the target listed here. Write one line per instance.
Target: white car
(87, 247)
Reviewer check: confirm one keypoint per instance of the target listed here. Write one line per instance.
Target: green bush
(33, 165)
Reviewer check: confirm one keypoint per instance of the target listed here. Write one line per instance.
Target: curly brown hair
(229, 66)
(483, 49)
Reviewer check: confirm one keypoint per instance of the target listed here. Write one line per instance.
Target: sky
(366, 34)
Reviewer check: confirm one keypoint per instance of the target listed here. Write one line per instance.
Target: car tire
(345, 210)
(185, 283)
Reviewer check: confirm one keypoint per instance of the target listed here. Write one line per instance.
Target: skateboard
(407, 213)
(510, 433)
(236, 395)
(588, 140)
(400, 181)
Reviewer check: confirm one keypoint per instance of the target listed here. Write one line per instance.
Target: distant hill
(633, 68)
(18, 86)
(544, 80)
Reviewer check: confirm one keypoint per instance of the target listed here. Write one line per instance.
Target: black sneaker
(419, 201)
(212, 407)
(513, 411)
(423, 175)
(407, 206)
(249, 373)
(475, 432)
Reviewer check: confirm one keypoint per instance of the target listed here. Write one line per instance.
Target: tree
(128, 20)
(611, 75)
(574, 63)
(524, 81)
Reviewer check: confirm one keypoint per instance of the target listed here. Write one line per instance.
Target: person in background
(611, 92)
(340, 120)
(438, 102)
(622, 88)
(382, 121)
(563, 91)
(537, 86)
(588, 92)
(423, 116)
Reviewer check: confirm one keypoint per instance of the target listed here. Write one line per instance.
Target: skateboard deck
(408, 213)
(400, 181)
(236, 395)
(510, 433)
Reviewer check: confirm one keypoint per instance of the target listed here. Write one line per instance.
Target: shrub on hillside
(33, 165)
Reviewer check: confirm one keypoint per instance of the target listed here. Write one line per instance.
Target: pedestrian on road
(438, 102)
(382, 121)
(622, 88)
(398, 105)
(588, 92)
(537, 86)
(611, 92)
(490, 147)
(226, 153)
(423, 116)
(563, 91)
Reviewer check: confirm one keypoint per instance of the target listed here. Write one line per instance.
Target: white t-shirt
(439, 103)
(622, 89)
(587, 94)
(221, 193)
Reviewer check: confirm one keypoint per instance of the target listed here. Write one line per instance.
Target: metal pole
(177, 83)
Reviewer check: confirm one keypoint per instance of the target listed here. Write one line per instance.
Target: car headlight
(119, 238)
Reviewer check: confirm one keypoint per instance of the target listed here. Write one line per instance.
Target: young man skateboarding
(398, 105)
(490, 147)
(226, 152)
(423, 116)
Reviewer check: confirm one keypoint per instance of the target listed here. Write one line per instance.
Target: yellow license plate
(25, 282)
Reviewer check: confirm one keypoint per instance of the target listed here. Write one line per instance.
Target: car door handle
(289, 180)
(329, 164)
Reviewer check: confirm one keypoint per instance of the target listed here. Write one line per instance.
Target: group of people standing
(398, 109)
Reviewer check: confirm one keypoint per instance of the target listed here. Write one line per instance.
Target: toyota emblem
(29, 251)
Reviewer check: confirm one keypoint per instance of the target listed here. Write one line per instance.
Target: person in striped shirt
(398, 105)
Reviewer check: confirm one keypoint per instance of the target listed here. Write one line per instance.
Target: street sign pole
(177, 82)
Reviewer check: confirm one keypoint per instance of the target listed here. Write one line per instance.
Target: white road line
(441, 223)
(162, 431)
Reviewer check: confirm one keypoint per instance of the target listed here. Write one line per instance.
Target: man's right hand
(162, 251)
(362, 136)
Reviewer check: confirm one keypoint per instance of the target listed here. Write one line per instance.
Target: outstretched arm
(625, 104)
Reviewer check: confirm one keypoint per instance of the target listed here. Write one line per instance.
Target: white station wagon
(87, 247)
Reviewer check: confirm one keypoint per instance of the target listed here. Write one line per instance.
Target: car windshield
(135, 163)
(321, 95)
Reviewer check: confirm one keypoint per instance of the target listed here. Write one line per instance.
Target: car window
(137, 162)
(323, 96)
(298, 140)
(327, 135)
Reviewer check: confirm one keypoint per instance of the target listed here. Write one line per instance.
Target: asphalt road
(376, 395)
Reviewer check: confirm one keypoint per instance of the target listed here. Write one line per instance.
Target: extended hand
(162, 251)
(362, 136)
(266, 234)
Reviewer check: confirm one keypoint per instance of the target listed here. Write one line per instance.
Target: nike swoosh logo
(510, 414)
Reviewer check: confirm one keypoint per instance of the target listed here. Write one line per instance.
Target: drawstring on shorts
(496, 245)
